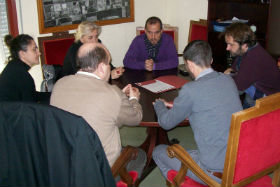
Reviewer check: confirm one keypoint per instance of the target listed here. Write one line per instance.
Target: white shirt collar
(89, 74)
(204, 72)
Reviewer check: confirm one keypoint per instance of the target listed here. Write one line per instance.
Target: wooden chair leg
(276, 178)
(125, 176)
(169, 184)
(119, 167)
(180, 177)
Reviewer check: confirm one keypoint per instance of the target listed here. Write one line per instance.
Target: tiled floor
(136, 135)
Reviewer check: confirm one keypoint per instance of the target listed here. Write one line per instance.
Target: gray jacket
(208, 103)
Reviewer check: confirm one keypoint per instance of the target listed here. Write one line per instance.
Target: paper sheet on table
(158, 86)
(163, 83)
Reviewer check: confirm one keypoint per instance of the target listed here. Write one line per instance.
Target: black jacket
(16, 84)
(69, 63)
(42, 145)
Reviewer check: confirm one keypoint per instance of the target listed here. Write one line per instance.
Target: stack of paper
(163, 83)
(158, 86)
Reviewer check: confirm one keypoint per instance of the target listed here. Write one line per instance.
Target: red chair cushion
(259, 144)
(55, 50)
(134, 176)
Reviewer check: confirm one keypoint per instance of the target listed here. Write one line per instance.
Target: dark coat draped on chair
(44, 146)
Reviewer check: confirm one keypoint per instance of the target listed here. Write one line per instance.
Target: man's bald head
(90, 55)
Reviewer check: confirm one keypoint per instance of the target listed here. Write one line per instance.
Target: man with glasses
(153, 50)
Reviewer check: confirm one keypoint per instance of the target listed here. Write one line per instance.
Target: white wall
(118, 37)
(180, 12)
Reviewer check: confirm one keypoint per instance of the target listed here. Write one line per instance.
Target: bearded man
(254, 71)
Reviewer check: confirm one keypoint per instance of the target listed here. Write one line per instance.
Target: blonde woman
(87, 32)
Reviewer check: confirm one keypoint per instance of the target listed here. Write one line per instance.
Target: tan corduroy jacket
(105, 107)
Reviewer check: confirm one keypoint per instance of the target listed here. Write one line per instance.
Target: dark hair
(8, 39)
(199, 52)
(241, 33)
(17, 44)
(91, 60)
(153, 20)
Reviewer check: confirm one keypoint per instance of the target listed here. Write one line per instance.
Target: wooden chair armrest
(119, 167)
(188, 163)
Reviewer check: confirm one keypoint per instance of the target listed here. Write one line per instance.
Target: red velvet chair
(253, 150)
(198, 30)
(170, 30)
(54, 48)
(53, 51)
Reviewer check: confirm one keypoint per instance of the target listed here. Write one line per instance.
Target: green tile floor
(136, 135)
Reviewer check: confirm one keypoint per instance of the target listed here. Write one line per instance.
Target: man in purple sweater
(254, 71)
(153, 50)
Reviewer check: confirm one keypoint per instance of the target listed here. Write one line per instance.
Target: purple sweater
(137, 54)
(258, 67)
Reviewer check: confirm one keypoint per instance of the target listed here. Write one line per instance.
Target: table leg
(155, 136)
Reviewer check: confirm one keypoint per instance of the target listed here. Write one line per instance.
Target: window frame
(12, 17)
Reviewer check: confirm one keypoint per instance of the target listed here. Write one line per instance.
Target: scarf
(152, 49)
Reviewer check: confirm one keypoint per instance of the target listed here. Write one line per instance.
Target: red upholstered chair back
(170, 30)
(260, 135)
(54, 48)
(198, 30)
(53, 51)
(254, 142)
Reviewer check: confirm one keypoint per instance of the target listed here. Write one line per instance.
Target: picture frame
(65, 15)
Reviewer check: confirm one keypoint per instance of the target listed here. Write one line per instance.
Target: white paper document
(158, 86)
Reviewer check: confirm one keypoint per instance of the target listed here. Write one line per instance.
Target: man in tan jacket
(105, 107)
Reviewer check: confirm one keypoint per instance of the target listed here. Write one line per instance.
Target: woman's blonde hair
(86, 27)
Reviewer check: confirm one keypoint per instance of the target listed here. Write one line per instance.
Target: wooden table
(155, 134)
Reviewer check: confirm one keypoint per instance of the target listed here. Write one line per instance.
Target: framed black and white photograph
(64, 15)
